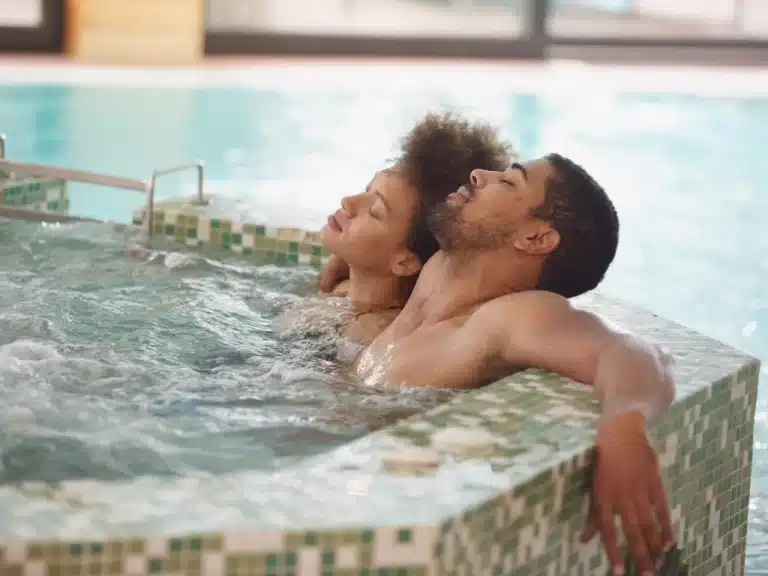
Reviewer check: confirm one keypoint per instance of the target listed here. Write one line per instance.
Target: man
(514, 246)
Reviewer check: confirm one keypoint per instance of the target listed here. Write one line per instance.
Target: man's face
(495, 211)
(370, 230)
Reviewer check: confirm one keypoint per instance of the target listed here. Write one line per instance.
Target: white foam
(178, 260)
(28, 352)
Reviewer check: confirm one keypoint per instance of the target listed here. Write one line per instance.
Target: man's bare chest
(441, 355)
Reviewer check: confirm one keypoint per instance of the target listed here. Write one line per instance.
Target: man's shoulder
(528, 303)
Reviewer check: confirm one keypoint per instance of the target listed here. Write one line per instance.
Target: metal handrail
(199, 166)
(29, 170)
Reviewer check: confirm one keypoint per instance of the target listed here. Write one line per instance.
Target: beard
(454, 233)
(445, 223)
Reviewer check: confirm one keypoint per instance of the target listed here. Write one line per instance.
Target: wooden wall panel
(161, 32)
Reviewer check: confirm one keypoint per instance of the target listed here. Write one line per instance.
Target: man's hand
(627, 482)
(334, 271)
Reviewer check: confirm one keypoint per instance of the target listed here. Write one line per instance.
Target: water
(112, 367)
(686, 172)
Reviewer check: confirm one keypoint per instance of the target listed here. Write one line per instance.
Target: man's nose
(478, 178)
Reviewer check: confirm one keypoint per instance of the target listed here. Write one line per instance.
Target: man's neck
(371, 293)
(451, 284)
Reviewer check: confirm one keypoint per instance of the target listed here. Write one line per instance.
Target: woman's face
(370, 230)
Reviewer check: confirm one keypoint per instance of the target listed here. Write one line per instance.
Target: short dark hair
(438, 155)
(584, 216)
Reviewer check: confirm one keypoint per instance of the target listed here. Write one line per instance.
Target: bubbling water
(118, 362)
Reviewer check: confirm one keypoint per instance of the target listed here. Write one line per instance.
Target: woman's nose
(351, 204)
(347, 204)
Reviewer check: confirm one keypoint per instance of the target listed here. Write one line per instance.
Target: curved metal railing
(29, 170)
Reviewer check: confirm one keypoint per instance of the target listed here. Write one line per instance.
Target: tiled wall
(515, 509)
(187, 225)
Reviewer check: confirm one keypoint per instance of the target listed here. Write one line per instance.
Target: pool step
(221, 225)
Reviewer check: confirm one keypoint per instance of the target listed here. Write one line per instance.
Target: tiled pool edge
(519, 513)
(191, 224)
(35, 194)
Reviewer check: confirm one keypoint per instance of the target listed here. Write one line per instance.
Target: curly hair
(437, 156)
(586, 219)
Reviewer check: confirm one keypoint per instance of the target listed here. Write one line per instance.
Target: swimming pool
(684, 169)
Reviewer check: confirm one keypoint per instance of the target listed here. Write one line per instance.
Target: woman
(379, 238)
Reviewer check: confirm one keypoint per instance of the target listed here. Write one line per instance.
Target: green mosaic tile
(696, 494)
(44, 195)
(281, 246)
(264, 243)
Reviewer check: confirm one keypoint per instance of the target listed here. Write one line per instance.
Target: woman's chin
(330, 238)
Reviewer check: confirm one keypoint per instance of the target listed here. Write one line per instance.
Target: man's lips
(460, 193)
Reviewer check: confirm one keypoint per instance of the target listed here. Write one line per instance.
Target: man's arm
(634, 383)
(543, 330)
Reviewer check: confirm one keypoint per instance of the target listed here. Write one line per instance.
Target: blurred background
(733, 30)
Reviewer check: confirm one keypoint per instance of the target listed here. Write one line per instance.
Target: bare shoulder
(530, 305)
(365, 328)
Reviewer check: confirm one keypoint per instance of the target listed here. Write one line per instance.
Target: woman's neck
(373, 293)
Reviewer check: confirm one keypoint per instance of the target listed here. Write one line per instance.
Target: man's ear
(405, 263)
(538, 240)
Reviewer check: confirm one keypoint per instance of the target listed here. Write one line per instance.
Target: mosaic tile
(35, 194)
(516, 508)
(188, 224)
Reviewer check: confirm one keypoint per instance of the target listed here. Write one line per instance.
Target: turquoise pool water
(686, 173)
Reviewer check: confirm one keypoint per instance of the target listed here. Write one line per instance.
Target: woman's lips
(333, 223)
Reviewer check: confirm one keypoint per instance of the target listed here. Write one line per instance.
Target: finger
(590, 529)
(638, 548)
(660, 505)
(326, 284)
(607, 530)
(650, 532)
